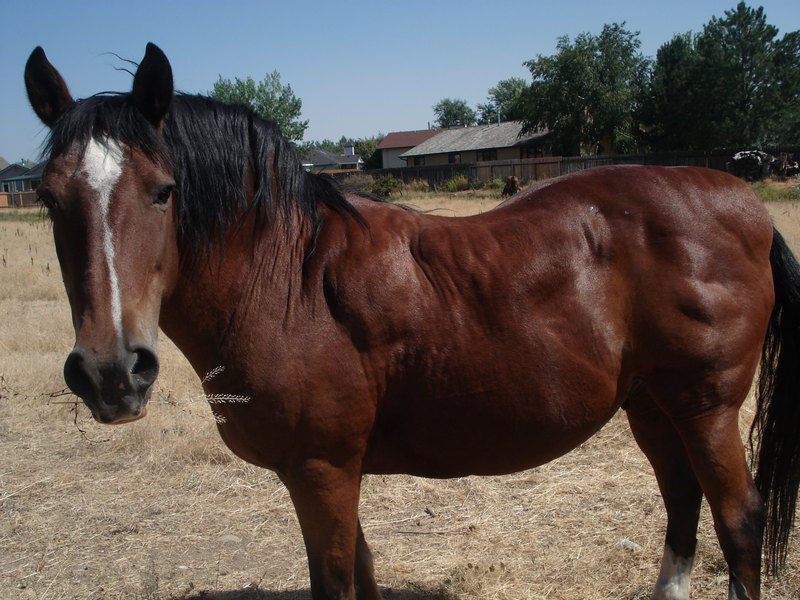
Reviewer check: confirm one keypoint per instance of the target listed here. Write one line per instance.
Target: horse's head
(109, 194)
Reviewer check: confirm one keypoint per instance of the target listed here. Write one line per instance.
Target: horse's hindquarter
(698, 244)
(498, 342)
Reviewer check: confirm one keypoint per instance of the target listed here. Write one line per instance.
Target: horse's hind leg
(680, 490)
(703, 408)
(366, 588)
(715, 448)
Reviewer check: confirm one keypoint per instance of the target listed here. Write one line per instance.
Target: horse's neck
(239, 289)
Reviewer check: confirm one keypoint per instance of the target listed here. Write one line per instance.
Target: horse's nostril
(145, 367)
(77, 376)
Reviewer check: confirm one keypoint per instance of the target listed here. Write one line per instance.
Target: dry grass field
(160, 509)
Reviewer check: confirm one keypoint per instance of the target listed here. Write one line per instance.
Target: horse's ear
(152, 85)
(47, 91)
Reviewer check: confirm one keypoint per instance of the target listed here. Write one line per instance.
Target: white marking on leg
(675, 577)
(102, 164)
(734, 595)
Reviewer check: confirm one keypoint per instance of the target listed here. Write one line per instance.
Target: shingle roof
(480, 137)
(407, 139)
(35, 172)
(13, 170)
(321, 158)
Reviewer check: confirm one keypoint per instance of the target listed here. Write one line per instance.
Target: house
(9, 173)
(398, 142)
(480, 143)
(21, 178)
(17, 184)
(318, 160)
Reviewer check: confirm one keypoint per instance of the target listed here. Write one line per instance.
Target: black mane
(227, 161)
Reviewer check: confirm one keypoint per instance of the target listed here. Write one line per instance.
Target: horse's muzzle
(115, 390)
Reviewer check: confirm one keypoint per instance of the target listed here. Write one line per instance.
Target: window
(487, 155)
(419, 161)
(454, 158)
(531, 152)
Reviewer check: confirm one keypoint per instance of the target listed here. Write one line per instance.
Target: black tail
(775, 433)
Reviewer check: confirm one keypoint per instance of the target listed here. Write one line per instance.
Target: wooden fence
(18, 199)
(531, 169)
(535, 169)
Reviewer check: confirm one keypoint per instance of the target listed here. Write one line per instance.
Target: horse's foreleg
(325, 497)
(680, 490)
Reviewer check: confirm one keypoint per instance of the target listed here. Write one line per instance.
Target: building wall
(444, 158)
(508, 154)
(470, 156)
(20, 185)
(390, 158)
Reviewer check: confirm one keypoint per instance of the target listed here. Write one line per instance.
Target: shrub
(360, 182)
(771, 193)
(386, 185)
(498, 183)
(459, 183)
(417, 185)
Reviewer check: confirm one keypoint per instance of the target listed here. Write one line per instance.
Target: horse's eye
(46, 199)
(164, 195)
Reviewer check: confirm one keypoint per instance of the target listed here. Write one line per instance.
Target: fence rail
(535, 169)
(527, 170)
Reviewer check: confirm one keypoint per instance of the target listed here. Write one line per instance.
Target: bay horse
(369, 338)
(512, 186)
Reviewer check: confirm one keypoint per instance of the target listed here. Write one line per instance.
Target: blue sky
(360, 67)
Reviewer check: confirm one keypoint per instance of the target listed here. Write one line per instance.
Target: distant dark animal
(512, 186)
(783, 166)
(350, 336)
(752, 165)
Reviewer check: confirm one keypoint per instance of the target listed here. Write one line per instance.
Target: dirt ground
(160, 509)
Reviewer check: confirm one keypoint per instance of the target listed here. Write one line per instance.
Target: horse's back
(659, 194)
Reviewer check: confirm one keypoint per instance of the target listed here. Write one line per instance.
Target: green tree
(735, 69)
(367, 149)
(734, 85)
(326, 145)
(588, 93)
(785, 127)
(451, 112)
(503, 102)
(269, 98)
(669, 110)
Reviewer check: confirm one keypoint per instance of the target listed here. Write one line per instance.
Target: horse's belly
(495, 437)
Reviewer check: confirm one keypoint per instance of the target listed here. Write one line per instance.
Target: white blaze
(102, 165)
(674, 579)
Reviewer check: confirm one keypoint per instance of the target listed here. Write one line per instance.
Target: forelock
(106, 117)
